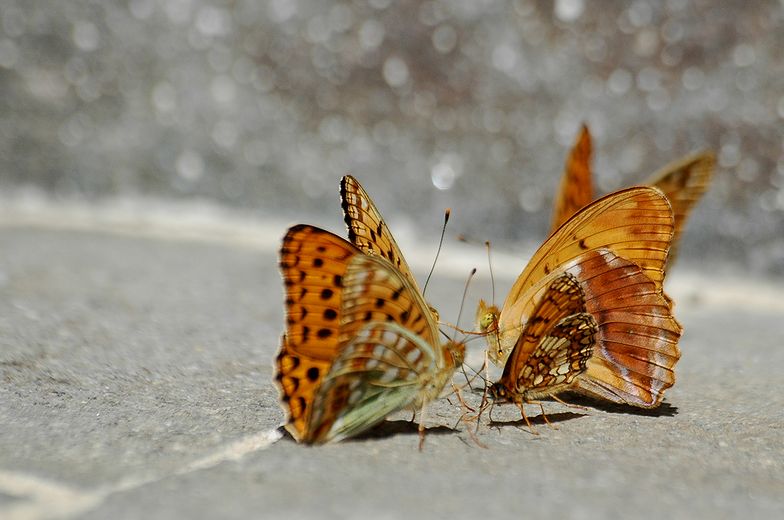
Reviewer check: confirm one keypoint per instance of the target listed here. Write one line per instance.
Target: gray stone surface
(135, 382)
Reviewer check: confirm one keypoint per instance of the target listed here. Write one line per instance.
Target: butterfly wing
(312, 263)
(343, 307)
(684, 182)
(382, 370)
(576, 189)
(635, 223)
(555, 344)
(561, 356)
(391, 359)
(367, 229)
(637, 341)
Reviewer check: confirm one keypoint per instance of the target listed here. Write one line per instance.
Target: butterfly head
(499, 392)
(487, 317)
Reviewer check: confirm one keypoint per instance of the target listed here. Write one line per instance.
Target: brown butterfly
(385, 354)
(683, 182)
(635, 226)
(635, 346)
(360, 341)
(553, 349)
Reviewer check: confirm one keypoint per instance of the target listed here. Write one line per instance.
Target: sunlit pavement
(136, 382)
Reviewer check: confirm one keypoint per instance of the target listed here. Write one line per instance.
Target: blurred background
(470, 104)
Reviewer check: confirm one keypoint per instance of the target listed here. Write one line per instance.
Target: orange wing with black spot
(683, 182)
(367, 229)
(392, 358)
(360, 340)
(576, 189)
(313, 263)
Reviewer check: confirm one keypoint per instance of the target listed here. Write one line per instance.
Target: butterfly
(635, 226)
(683, 182)
(553, 348)
(381, 352)
(624, 341)
(360, 341)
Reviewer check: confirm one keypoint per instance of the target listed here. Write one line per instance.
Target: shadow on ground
(386, 429)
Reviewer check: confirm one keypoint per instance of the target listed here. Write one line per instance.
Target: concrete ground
(136, 382)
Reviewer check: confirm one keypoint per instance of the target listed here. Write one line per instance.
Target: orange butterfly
(380, 352)
(683, 182)
(633, 228)
(616, 338)
(360, 341)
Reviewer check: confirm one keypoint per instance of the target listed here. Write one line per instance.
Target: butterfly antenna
(459, 312)
(438, 252)
(462, 301)
(490, 266)
(477, 374)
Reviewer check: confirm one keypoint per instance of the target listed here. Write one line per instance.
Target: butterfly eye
(497, 392)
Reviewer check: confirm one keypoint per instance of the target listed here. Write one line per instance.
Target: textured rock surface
(135, 381)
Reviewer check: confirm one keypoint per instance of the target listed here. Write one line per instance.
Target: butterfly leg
(465, 417)
(483, 404)
(422, 417)
(544, 416)
(459, 396)
(525, 417)
(468, 380)
(491, 404)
